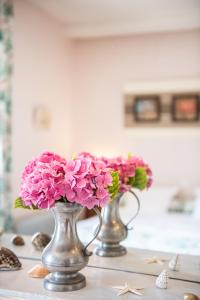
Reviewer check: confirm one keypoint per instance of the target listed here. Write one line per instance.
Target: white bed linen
(155, 228)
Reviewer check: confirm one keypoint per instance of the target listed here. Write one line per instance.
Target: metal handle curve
(137, 212)
(85, 251)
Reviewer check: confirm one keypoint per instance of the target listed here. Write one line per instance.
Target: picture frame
(185, 108)
(147, 109)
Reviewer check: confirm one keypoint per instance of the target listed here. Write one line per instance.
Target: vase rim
(67, 205)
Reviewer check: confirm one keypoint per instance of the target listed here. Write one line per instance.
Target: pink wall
(50, 71)
(101, 69)
(41, 77)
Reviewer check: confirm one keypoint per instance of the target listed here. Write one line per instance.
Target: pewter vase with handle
(113, 230)
(66, 255)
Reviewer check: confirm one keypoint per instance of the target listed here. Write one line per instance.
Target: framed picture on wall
(147, 109)
(185, 108)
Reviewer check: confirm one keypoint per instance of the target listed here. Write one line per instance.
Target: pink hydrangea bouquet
(49, 178)
(133, 171)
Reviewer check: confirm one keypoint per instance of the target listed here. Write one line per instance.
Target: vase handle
(85, 251)
(137, 212)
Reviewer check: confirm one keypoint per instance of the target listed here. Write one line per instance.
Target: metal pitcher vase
(65, 255)
(113, 230)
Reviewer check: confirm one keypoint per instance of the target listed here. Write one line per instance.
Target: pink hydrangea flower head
(139, 163)
(49, 178)
(85, 154)
(43, 180)
(126, 169)
(88, 184)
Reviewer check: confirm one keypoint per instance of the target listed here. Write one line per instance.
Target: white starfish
(155, 260)
(126, 288)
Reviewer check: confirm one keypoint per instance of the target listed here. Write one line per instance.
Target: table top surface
(133, 261)
(100, 283)
(102, 274)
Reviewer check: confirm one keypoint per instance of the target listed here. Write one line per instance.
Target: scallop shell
(162, 280)
(8, 260)
(38, 271)
(18, 240)
(40, 240)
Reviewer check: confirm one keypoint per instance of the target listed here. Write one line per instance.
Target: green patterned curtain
(6, 16)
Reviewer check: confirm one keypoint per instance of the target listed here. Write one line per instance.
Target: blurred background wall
(102, 67)
(41, 79)
(81, 84)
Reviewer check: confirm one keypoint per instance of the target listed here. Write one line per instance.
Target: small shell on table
(18, 240)
(190, 296)
(174, 263)
(8, 260)
(162, 280)
(40, 240)
(38, 271)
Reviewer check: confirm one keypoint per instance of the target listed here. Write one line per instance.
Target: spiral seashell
(162, 280)
(18, 240)
(8, 260)
(40, 240)
(38, 271)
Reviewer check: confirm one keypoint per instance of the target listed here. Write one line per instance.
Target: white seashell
(174, 263)
(162, 280)
(8, 260)
(38, 271)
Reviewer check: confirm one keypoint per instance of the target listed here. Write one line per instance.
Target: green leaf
(113, 189)
(131, 180)
(20, 204)
(140, 179)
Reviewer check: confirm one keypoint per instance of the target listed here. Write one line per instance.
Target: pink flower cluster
(139, 163)
(126, 168)
(49, 178)
(43, 180)
(87, 182)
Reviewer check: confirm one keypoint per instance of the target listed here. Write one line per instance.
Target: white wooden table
(101, 275)
(134, 261)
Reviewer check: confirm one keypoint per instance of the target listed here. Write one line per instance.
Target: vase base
(69, 284)
(110, 250)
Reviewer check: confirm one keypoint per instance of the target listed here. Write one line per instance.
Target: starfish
(126, 288)
(155, 260)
